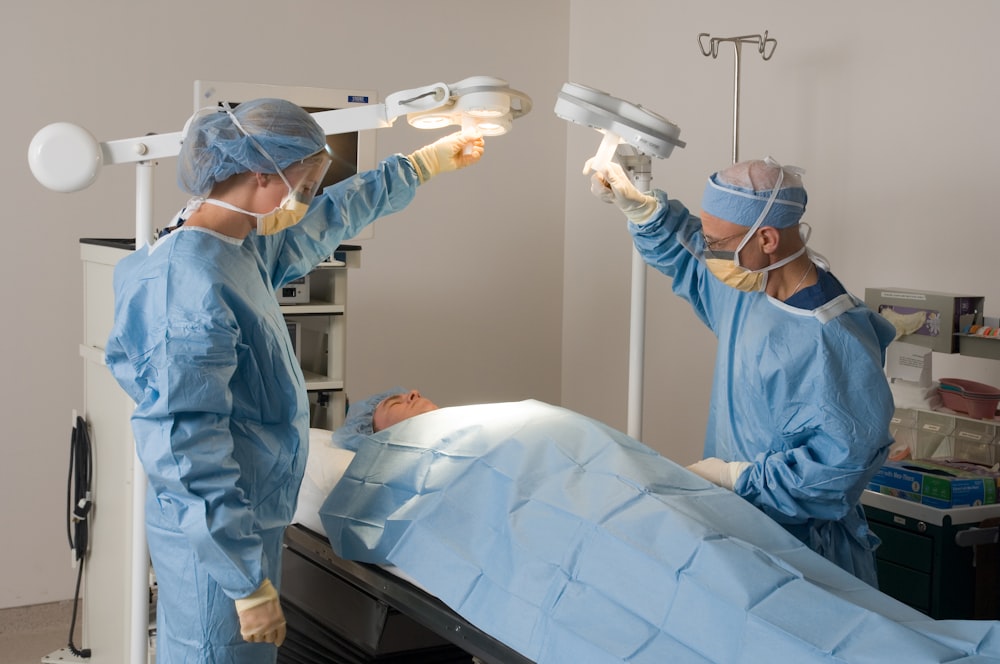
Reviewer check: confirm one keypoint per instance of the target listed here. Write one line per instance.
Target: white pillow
(324, 468)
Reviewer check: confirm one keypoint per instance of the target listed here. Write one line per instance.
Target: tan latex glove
(613, 185)
(261, 617)
(717, 471)
(450, 153)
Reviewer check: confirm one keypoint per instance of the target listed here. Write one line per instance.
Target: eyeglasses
(710, 244)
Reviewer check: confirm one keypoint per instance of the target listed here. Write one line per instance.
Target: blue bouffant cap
(740, 193)
(214, 147)
(358, 423)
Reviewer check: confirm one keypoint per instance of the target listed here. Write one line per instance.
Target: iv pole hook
(765, 47)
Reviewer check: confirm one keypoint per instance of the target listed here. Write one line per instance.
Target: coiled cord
(78, 506)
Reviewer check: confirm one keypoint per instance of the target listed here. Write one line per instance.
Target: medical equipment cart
(927, 559)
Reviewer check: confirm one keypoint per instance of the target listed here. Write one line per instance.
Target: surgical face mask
(735, 276)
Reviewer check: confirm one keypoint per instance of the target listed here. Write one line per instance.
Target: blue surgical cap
(358, 423)
(739, 194)
(214, 148)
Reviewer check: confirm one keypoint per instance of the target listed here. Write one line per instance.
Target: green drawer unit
(919, 561)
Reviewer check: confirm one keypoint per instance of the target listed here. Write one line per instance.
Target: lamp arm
(141, 148)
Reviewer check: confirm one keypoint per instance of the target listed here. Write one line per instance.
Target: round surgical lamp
(650, 135)
(620, 122)
(488, 126)
(429, 120)
(485, 103)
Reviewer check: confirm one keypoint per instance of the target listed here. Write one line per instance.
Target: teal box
(935, 485)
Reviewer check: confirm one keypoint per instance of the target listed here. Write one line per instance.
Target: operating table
(343, 611)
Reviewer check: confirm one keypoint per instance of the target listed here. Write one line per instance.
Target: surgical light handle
(606, 151)
(765, 46)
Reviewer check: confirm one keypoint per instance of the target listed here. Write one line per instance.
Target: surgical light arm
(65, 157)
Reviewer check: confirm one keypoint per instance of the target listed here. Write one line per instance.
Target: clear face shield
(309, 174)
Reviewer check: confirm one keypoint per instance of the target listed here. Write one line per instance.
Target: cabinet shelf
(318, 327)
(319, 383)
(318, 307)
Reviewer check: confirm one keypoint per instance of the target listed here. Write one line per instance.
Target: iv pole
(765, 47)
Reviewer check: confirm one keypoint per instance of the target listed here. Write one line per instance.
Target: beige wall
(507, 281)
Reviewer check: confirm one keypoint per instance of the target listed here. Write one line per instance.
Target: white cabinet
(317, 324)
(110, 591)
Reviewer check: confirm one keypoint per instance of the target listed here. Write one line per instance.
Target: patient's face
(400, 407)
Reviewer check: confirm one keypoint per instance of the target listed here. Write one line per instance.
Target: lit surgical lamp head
(620, 121)
(481, 103)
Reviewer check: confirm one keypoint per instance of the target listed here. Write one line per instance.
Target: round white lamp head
(65, 157)
(646, 131)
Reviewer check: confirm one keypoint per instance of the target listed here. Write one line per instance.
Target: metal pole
(765, 46)
(736, 104)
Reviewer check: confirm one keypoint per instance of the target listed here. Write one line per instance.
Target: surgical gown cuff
(732, 473)
(642, 213)
(265, 593)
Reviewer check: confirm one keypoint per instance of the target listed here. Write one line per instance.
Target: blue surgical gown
(800, 394)
(222, 415)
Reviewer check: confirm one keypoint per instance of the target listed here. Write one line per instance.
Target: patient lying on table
(571, 542)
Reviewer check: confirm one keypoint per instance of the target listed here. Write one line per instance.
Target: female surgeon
(800, 408)
(198, 341)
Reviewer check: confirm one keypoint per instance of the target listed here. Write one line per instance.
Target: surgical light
(648, 134)
(65, 157)
(484, 103)
(620, 122)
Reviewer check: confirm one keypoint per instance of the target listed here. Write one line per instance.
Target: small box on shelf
(944, 314)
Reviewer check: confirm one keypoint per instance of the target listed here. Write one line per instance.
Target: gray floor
(29, 634)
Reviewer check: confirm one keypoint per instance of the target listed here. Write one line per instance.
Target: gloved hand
(612, 185)
(261, 617)
(717, 471)
(450, 153)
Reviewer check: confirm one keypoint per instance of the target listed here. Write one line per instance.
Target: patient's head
(378, 412)
(399, 407)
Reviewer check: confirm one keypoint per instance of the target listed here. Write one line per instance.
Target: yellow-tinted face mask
(728, 272)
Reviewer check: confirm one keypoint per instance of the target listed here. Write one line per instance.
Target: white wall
(889, 106)
(457, 295)
(510, 280)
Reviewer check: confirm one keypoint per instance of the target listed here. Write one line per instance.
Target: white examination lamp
(483, 103)
(65, 157)
(649, 135)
